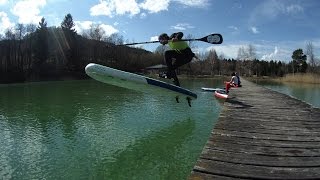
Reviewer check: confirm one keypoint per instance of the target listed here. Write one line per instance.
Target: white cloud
(182, 26)
(104, 8)
(109, 29)
(143, 15)
(229, 51)
(194, 3)
(28, 11)
(294, 8)
(272, 9)
(4, 22)
(155, 6)
(127, 6)
(111, 7)
(272, 55)
(81, 26)
(233, 28)
(154, 38)
(254, 30)
(2, 2)
(132, 7)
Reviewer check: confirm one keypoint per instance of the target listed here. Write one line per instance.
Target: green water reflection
(90, 130)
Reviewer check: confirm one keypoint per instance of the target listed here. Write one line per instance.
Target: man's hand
(163, 41)
(174, 39)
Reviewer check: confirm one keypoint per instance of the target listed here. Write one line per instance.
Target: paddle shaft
(212, 38)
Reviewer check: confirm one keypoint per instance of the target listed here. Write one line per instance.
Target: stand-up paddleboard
(137, 82)
(210, 89)
(221, 94)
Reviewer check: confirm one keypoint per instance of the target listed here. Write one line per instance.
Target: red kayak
(221, 94)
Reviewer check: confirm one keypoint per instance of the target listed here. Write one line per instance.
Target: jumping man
(179, 54)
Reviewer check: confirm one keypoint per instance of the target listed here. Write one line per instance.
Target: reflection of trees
(41, 104)
(157, 154)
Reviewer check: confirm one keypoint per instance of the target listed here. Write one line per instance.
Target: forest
(38, 52)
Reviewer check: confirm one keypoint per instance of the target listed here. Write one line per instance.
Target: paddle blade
(212, 39)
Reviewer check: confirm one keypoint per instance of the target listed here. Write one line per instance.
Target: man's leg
(169, 55)
(175, 78)
(183, 58)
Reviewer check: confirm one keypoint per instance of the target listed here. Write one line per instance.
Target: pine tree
(68, 24)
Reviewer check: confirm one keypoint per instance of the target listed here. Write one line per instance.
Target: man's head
(163, 38)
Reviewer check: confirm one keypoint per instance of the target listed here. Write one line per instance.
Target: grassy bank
(301, 78)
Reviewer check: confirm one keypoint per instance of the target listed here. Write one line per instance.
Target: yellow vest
(178, 45)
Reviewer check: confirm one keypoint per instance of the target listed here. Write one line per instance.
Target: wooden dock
(262, 134)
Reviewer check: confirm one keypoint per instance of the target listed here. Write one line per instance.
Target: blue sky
(275, 28)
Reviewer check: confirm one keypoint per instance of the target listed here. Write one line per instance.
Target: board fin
(189, 101)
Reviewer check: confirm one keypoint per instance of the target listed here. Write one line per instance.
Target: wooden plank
(239, 170)
(234, 141)
(266, 135)
(258, 159)
(281, 137)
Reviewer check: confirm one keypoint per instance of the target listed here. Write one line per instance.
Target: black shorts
(181, 57)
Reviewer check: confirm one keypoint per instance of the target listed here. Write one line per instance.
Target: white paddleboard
(137, 82)
(210, 89)
(221, 94)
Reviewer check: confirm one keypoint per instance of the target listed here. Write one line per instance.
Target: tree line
(246, 63)
(34, 53)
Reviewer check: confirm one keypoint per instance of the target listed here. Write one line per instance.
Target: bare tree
(251, 52)
(96, 32)
(114, 38)
(310, 54)
(241, 53)
(212, 58)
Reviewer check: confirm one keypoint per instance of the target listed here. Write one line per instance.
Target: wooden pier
(262, 134)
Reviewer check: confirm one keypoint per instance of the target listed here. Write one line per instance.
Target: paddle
(212, 39)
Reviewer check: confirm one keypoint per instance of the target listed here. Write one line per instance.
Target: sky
(275, 28)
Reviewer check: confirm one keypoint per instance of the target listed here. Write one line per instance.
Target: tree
(68, 24)
(310, 54)
(41, 46)
(96, 32)
(299, 61)
(241, 54)
(212, 58)
(114, 38)
(251, 52)
(20, 30)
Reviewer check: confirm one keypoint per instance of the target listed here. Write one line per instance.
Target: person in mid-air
(234, 82)
(179, 54)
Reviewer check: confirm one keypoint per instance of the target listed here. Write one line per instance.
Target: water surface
(87, 129)
(309, 93)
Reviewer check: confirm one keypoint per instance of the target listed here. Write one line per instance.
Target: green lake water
(90, 130)
(309, 93)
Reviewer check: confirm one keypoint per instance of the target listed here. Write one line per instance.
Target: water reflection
(86, 129)
(146, 157)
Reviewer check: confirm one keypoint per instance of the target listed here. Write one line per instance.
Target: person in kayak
(179, 54)
(234, 82)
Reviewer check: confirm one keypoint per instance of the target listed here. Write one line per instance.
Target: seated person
(234, 82)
